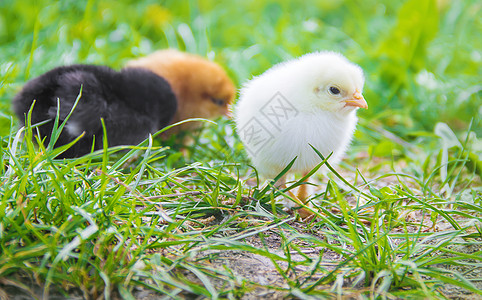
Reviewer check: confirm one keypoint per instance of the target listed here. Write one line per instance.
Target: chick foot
(300, 198)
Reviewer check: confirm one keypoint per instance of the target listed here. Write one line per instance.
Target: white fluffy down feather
(309, 100)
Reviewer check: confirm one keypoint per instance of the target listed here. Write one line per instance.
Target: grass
(399, 218)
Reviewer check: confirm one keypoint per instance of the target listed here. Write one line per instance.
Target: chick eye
(334, 90)
(218, 102)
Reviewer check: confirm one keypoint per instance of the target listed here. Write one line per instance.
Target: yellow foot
(305, 214)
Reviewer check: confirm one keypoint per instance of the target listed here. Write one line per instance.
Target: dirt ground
(253, 268)
(261, 271)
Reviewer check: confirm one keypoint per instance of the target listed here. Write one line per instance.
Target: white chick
(309, 100)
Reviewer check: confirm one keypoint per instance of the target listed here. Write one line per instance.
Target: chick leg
(303, 192)
(299, 198)
(302, 196)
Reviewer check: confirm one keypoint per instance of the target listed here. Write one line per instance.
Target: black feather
(133, 103)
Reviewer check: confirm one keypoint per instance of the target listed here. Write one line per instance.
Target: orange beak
(357, 101)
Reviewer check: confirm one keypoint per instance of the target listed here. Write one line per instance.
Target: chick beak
(357, 101)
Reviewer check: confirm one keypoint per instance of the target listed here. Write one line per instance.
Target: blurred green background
(422, 58)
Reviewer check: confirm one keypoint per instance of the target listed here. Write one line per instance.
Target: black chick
(133, 103)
